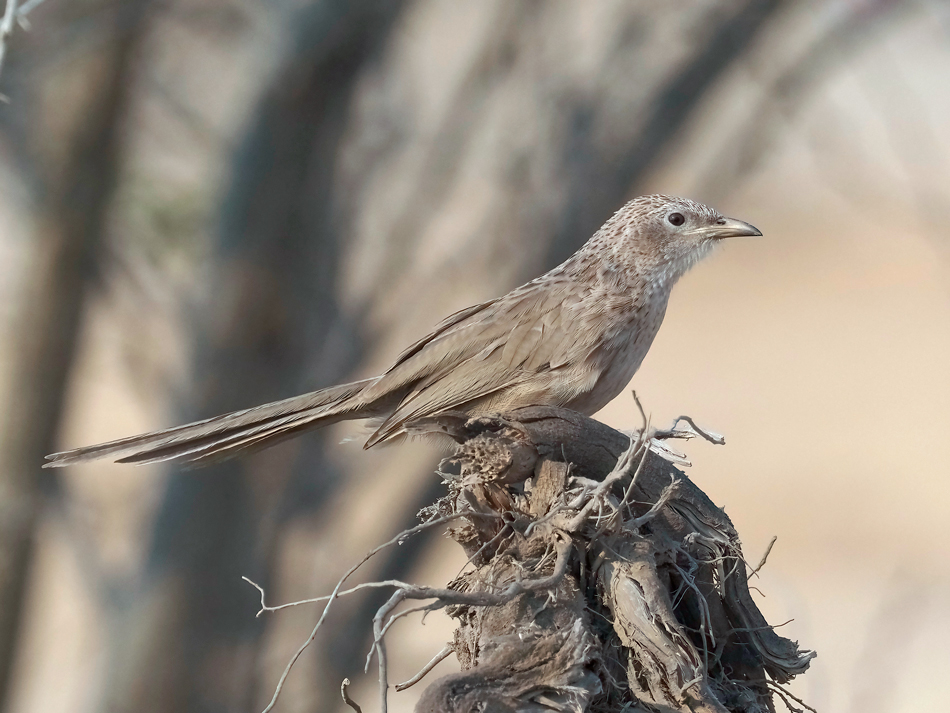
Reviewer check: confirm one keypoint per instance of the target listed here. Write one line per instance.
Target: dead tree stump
(614, 582)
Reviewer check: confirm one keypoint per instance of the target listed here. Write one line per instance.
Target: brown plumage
(573, 338)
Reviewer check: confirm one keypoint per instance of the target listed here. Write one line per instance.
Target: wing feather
(500, 345)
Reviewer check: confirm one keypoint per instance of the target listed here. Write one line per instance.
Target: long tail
(223, 436)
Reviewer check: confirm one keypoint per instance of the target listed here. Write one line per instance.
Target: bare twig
(689, 684)
(754, 629)
(637, 445)
(501, 534)
(728, 635)
(365, 585)
(782, 691)
(346, 696)
(6, 29)
(793, 709)
(668, 492)
(618, 514)
(380, 584)
(620, 471)
(694, 430)
(446, 651)
(25, 9)
(705, 617)
(336, 592)
(641, 437)
(636, 473)
(392, 620)
(643, 414)
(446, 597)
(556, 510)
(765, 556)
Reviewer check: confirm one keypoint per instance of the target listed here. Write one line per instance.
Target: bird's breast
(619, 354)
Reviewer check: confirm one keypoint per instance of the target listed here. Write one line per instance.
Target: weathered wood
(654, 611)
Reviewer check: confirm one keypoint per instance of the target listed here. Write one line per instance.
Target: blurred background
(209, 204)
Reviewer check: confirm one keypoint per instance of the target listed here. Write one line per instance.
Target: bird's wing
(481, 351)
(441, 329)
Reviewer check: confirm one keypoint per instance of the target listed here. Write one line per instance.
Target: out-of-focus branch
(67, 239)
(25, 9)
(6, 29)
(789, 92)
(603, 173)
(13, 14)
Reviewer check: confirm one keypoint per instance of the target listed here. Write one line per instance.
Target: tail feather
(208, 449)
(224, 435)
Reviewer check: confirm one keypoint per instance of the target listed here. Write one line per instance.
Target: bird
(571, 338)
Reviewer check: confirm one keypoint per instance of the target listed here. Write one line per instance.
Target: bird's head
(668, 235)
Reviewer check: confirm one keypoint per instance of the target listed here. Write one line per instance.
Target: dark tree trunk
(273, 328)
(77, 186)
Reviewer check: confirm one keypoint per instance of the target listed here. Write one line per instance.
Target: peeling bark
(652, 611)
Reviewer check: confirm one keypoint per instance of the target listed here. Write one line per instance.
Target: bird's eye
(676, 219)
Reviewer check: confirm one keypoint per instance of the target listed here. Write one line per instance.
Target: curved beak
(731, 228)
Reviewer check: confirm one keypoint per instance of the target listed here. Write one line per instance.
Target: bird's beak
(731, 228)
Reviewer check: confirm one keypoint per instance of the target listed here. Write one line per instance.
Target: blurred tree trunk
(77, 186)
(272, 329)
(602, 173)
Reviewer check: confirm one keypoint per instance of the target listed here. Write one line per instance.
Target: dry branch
(653, 612)
(603, 579)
